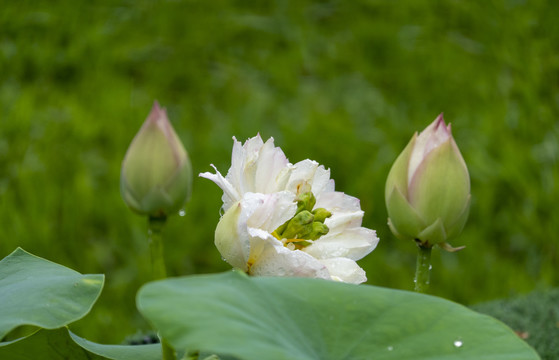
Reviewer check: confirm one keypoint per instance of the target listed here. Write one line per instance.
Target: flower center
(305, 226)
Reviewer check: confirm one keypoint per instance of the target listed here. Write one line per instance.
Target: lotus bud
(428, 189)
(156, 173)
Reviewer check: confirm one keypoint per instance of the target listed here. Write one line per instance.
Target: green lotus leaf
(254, 318)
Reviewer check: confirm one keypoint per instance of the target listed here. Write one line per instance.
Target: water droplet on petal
(182, 212)
(390, 348)
(458, 343)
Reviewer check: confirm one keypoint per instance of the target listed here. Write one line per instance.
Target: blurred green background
(343, 83)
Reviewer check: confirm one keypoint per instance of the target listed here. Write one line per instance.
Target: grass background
(343, 83)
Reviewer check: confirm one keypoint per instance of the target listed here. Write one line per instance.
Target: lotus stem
(422, 269)
(155, 239)
(158, 271)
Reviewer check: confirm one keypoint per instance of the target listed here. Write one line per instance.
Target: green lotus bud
(428, 188)
(156, 174)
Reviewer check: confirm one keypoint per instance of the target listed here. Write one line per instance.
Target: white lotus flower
(282, 219)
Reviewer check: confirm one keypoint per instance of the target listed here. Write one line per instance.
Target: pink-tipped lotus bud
(156, 173)
(428, 188)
